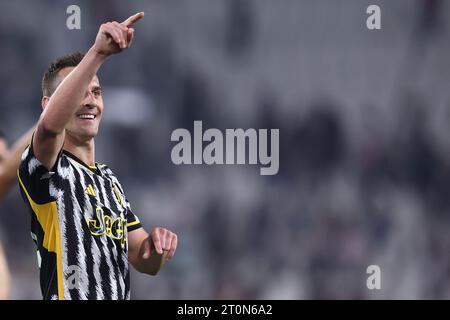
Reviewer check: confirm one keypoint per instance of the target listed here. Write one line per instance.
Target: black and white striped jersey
(80, 219)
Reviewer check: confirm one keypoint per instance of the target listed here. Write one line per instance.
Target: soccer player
(82, 223)
(9, 163)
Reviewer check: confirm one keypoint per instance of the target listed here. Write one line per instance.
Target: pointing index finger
(133, 19)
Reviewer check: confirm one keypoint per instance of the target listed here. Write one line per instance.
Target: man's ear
(44, 101)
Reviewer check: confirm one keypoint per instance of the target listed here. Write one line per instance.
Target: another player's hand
(114, 37)
(161, 240)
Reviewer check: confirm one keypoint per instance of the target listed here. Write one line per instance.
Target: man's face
(85, 123)
(3, 152)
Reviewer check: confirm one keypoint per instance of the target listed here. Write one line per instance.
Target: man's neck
(82, 149)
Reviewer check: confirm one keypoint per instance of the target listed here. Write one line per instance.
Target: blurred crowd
(364, 148)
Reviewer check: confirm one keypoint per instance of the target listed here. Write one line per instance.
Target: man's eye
(97, 93)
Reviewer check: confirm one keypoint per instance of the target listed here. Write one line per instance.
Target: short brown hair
(49, 84)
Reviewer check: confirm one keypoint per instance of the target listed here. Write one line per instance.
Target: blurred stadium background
(364, 146)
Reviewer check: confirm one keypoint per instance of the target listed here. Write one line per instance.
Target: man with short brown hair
(82, 222)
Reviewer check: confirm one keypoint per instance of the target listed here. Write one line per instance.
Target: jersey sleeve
(34, 177)
(133, 222)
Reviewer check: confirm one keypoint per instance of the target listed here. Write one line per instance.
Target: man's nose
(88, 100)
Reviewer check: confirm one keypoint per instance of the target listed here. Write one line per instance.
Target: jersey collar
(94, 169)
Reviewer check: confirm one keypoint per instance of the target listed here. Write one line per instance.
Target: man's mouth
(87, 116)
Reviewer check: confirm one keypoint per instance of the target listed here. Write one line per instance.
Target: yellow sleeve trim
(133, 223)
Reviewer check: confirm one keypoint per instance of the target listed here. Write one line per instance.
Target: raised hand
(114, 37)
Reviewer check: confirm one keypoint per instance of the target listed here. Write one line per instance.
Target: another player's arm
(113, 37)
(147, 253)
(5, 278)
(8, 176)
